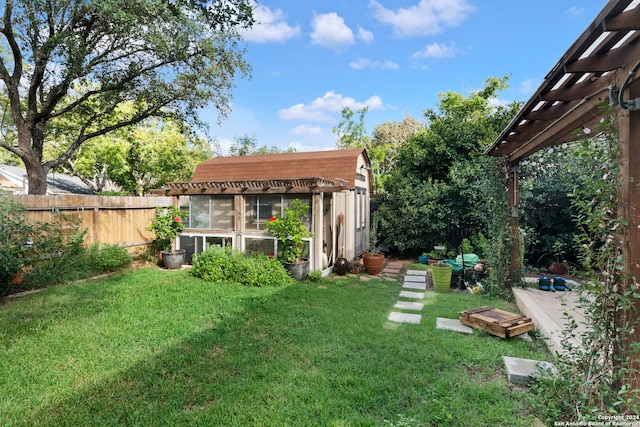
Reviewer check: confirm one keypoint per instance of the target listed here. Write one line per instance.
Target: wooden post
(317, 208)
(515, 265)
(238, 207)
(629, 134)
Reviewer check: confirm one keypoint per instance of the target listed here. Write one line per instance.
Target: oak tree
(67, 66)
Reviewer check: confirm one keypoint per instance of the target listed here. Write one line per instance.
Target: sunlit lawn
(153, 347)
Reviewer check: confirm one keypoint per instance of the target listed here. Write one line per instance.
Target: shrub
(59, 254)
(108, 258)
(217, 264)
(15, 241)
(48, 253)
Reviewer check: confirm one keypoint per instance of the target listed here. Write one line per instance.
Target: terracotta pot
(373, 263)
(17, 279)
(558, 268)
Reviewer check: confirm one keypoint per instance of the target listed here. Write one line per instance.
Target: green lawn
(152, 347)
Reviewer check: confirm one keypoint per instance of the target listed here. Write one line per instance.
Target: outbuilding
(230, 199)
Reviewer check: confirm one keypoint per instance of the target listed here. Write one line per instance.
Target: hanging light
(586, 130)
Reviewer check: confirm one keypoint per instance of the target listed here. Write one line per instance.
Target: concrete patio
(549, 311)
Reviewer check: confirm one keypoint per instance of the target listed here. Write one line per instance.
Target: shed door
(361, 221)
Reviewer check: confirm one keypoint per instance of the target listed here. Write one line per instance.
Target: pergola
(598, 69)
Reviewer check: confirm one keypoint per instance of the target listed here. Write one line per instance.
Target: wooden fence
(106, 219)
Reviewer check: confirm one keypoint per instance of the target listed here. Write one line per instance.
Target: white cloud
(528, 86)
(495, 102)
(428, 17)
(305, 146)
(270, 26)
(329, 30)
(305, 130)
(365, 36)
(379, 65)
(575, 11)
(325, 108)
(436, 50)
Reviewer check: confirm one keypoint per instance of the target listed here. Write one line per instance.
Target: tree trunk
(37, 177)
(30, 146)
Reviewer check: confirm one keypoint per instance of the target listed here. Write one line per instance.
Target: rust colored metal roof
(334, 165)
(575, 92)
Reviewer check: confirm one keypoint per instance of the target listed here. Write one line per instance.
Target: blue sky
(312, 58)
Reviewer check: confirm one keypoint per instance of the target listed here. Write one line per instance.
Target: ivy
(593, 377)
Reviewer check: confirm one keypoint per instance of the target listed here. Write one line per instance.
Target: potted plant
(424, 258)
(167, 223)
(436, 254)
(441, 273)
(291, 231)
(373, 260)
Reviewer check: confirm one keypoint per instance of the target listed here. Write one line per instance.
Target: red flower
(177, 219)
(273, 218)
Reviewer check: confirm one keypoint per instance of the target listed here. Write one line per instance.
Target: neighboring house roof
(14, 179)
(334, 165)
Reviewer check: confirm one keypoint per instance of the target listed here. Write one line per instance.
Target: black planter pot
(173, 260)
(298, 270)
(341, 266)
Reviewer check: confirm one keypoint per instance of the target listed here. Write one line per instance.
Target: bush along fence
(38, 253)
(103, 219)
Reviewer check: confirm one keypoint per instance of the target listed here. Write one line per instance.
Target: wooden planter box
(497, 322)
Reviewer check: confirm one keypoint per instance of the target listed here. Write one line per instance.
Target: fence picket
(108, 220)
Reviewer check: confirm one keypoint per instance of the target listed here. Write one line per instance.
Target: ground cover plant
(157, 347)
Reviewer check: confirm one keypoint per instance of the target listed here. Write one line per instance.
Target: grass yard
(159, 348)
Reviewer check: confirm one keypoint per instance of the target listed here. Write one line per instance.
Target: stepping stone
(420, 279)
(417, 273)
(520, 371)
(394, 266)
(525, 337)
(414, 285)
(391, 270)
(405, 317)
(406, 305)
(452, 325)
(414, 295)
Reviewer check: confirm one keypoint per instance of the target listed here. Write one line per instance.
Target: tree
(387, 139)
(69, 66)
(381, 146)
(439, 178)
(351, 134)
(134, 160)
(161, 154)
(243, 145)
(547, 217)
(247, 145)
